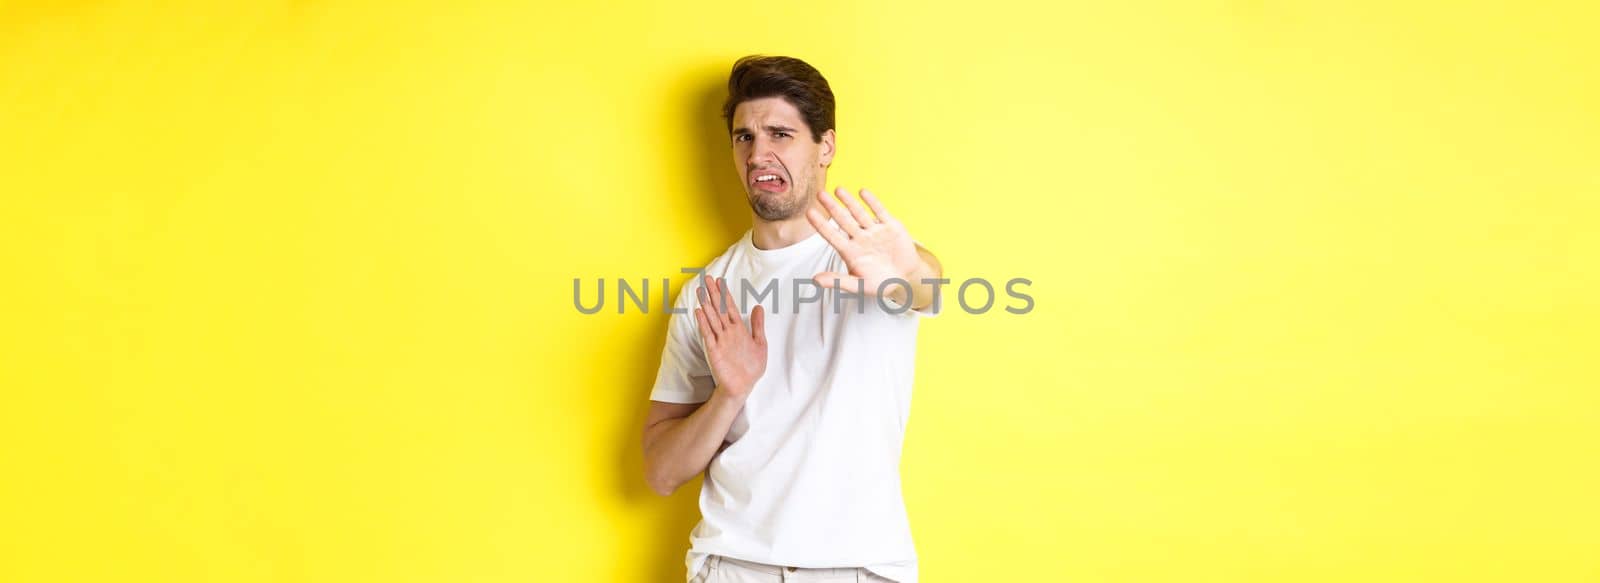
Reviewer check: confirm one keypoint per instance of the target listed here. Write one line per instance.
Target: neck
(767, 235)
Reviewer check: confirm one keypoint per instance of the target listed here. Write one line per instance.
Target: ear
(828, 146)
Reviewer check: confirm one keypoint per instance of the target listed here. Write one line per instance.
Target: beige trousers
(718, 569)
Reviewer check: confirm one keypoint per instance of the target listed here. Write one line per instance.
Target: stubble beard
(779, 206)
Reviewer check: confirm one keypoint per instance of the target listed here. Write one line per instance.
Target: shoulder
(717, 267)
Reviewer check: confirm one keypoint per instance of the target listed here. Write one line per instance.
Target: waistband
(779, 569)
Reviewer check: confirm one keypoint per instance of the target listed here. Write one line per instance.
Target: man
(797, 419)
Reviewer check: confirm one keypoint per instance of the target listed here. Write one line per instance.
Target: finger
(842, 282)
(727, 303)
(876, 206)
(712, 319)
(714, 297)
(708, 305)
(856, 210)
(840, 215)
(706, 333)
(724, 304)
(758, 325)
(832, 234)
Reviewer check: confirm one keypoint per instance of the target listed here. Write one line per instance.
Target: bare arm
(681, 438)
(922, 292)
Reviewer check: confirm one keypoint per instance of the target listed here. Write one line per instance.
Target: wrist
(900, 294)
(924, 270)
(730, 395)
(920, 292)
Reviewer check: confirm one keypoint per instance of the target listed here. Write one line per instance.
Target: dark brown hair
(758, 76)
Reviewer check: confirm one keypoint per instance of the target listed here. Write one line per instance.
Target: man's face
(780, 165)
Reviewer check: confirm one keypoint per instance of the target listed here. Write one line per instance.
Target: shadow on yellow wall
(717, 190)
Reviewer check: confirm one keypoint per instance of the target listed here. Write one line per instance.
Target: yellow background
(287, 286)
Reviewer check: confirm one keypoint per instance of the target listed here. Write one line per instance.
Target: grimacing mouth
(766, 175)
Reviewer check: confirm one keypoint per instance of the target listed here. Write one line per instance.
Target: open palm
(875, 246)
(738, 357)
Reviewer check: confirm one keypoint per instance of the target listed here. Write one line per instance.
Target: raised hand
(875, 247)
(738, 357)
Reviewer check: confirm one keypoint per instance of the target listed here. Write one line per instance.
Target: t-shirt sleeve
(684, 376)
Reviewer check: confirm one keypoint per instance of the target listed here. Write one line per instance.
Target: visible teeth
(766, 178)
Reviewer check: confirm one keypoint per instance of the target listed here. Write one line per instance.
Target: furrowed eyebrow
(770, 129)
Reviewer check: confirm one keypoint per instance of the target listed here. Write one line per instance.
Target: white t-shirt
(811, 477)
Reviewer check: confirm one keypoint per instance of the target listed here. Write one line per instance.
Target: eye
(742, 138)
(783, 134)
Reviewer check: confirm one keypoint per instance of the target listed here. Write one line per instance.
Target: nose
(761, 151)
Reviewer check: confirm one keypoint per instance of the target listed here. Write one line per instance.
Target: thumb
(843, 282)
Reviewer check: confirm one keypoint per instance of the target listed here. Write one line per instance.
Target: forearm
(675, 450)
